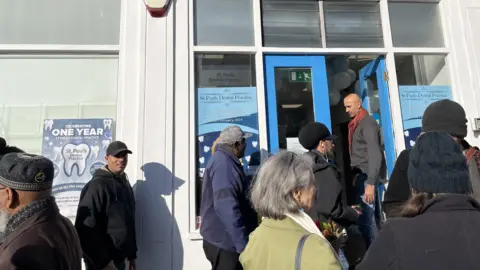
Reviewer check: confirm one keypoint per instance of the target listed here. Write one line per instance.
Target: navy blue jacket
(227, 215)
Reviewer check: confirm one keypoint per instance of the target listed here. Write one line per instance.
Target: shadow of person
(158, 236)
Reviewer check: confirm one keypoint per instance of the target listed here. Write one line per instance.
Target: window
(356, 24)
(86, 22)
(416, 24)
(223, 23)
(422, 79)
(35, 88)
(226, 95)
(291, 23)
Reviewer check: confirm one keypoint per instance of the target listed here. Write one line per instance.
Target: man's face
(118, 163)
(352, 107)
(5, 202)
(240, 147)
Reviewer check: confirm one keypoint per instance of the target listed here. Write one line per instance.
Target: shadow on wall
(158, 237)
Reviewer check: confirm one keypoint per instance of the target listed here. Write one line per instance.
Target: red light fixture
(157, 8)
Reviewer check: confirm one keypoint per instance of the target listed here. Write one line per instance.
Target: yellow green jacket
(273, 246)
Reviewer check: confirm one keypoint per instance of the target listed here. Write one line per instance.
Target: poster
(77, 148)
(413, 102)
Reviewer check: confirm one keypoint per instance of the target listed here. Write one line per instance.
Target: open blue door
(377, 103)
(297, 94)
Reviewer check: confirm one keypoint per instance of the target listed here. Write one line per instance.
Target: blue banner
(77, 147)
(413, 102)
(219, 108)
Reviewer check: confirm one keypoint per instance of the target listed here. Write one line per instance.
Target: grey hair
(279, 176)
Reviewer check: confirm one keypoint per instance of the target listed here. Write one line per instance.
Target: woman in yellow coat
(283, 188)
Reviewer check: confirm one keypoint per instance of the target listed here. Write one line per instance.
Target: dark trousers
(221, 259)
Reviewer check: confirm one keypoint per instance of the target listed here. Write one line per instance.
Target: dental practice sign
(77, 148)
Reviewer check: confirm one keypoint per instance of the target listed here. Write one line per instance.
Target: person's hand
(132, 265)
(110, 266)
(369, 194)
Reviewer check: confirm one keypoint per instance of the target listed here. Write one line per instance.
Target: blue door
(297, 94)
(377, 103)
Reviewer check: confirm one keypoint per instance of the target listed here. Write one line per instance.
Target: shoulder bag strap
(298, 256)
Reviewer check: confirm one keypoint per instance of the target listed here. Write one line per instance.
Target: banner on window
(414, 99)
(77, 148)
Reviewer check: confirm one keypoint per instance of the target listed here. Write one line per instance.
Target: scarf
(307, 223)
(352, 126)
(25, 213)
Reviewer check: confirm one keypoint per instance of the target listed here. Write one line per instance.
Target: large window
(226, 94)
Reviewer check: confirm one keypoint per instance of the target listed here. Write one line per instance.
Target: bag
(298, 256)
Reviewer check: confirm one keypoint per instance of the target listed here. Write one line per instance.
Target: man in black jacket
(330, 203)
(106, 214)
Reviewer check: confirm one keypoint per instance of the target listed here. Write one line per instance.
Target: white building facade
(111, 59)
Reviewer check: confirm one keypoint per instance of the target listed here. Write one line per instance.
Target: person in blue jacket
(227, 215)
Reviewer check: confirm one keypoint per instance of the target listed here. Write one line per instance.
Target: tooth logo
(48, 123)
(200, 139)
(412, 143)
(407, 133)
(202, 160)
(206, 149)
(247, 158)
(107, 123)
(57, 153)
(105, 144)
(94, 152)
(75, 155)
(254, 144)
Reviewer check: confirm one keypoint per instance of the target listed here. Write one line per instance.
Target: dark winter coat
(106, 219)
(331, 204)
(43, 239)
(227, 215)
(444, 236)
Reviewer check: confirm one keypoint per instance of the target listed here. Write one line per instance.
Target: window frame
(260, 51)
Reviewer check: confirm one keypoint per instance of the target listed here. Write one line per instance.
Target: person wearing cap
(438, 227)
(330, 200)
(5, 148)
(367, 164)
(33, 233)
(227, 215)
(444, 115)
(106, 214)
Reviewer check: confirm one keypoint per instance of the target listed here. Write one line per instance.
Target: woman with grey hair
(287, 238)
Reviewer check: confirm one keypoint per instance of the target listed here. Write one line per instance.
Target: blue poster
(413, 102)
(77, 148)
(219, 108)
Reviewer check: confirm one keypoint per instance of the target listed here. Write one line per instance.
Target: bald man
(367, 163)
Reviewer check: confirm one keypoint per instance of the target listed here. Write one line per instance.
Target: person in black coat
(398, 191)
(439, 224)
(331, 203)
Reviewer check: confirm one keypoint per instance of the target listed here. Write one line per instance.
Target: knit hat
(311, 134)
(27, 172)
(447, 116)
(437, 165)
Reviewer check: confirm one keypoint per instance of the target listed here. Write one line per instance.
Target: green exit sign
(300, 76)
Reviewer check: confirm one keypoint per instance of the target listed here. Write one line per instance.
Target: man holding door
(367, 163)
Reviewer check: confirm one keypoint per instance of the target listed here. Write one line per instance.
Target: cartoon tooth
(202, 160)
(94, 152)
(107, 123)
(57, 153)
(407, 133)
(412, 143)
(75, 155)
(105, 144)
(200, 139)
(206, 149)
(48, 123)
(247, 158)
(254, 143)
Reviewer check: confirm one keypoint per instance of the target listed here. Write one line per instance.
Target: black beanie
(311, 134)
(447, 116)
(437, 165)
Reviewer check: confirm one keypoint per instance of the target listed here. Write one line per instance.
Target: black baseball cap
(311, 134)
(117, 147)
